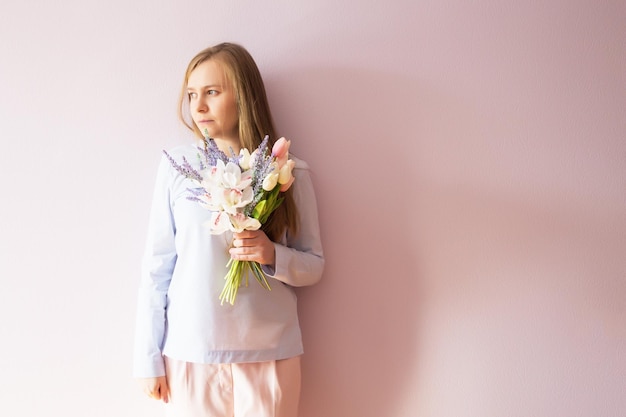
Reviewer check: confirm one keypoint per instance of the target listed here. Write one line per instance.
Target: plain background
(470, 163)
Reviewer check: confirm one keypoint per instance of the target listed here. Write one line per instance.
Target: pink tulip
(281, 148)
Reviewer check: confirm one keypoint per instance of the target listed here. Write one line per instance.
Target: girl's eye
(192, 95)
(212, 92)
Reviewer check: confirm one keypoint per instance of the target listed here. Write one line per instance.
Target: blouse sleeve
(157, 268)
(300, 260)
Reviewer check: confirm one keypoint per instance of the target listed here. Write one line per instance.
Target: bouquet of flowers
(241, 191)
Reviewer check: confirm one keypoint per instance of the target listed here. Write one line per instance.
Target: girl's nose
(201, 106)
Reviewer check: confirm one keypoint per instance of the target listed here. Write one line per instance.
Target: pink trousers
(259, 389)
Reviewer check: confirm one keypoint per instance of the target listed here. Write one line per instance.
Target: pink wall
(470, 165)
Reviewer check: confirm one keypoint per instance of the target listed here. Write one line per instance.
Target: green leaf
(259, 210)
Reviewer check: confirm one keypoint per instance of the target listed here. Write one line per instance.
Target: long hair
(255, 117)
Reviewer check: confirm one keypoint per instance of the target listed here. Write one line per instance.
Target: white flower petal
(219, 223)
(270, 181)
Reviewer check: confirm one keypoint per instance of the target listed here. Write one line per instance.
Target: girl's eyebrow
(204, 86)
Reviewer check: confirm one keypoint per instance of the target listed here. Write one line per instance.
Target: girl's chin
(207, 131)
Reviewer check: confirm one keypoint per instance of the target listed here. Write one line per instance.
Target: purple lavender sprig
(195, 194)
(185, 169)
(262, 167)
(200, 162)
(212, 153)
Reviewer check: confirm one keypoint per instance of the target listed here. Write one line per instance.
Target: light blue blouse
(179, 313)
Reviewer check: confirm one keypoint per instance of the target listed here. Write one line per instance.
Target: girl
(199, 356)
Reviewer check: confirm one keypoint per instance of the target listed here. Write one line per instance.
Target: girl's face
(212, 103)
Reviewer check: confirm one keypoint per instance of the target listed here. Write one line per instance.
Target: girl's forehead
(210, 72)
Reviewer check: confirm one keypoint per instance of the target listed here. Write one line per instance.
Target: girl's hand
(155, 388)
(253, 245)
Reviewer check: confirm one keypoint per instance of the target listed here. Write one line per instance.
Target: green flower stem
(235, 275)
(237, 269)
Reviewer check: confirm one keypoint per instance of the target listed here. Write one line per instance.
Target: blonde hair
(255, 117)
